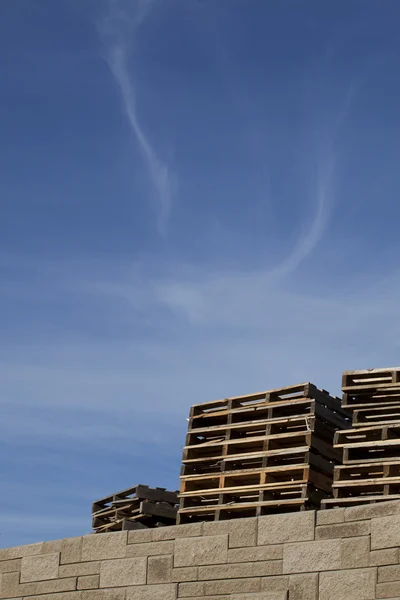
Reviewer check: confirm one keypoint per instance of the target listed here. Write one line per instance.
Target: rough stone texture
(329, 517)
(122, 572)
(159, 569)
(184, 574)
(209, 550)
(71, 550)
(385, 532)
(354, 584)
(242, 532)
(288, 527)
(321, 555)
(339, 559)
(94, 547)
(275, 584)
(150, 549)
(390, 573)
(261, 596)
(77, 569)
(20, 551)
(383, 557)
(88, 582)
(53, 546)
(370, 511)
(152, 592)
(233, 586)
(110, 594)
(188, 590)
(256, 569)
(40, 568)
(238, 555)
(355, 552)
(388, 590)
(62, 596)
(303, 587)
(177, 531)
(342, 530)
(8, 566)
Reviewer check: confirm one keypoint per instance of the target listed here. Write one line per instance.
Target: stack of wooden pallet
(135, 508)
(370, 469)
(259, 454)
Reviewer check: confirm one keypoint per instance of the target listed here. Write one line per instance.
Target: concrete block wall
(341, 554)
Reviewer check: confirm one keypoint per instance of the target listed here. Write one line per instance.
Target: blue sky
(199, 198)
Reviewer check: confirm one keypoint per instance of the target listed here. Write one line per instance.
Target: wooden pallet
(369, 444)
(368, 479)
(372, 397)
(260, 452)
(261, 478)
(283, 402)
(376, 415)
(222, 506)
(370, 378)
(139, 506)
(223, 449)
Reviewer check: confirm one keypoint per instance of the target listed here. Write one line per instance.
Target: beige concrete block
(371, 511)
(303, 557)
(389, 573)
(184, 574)
(49, 587)
(261, 596)
(110, 594)
(140, 536)
(150, 549)
(166, 591)
(329, 517)
(61, 596)
(388, 590)
(201, 551)
(342, 530)
(20, 551)
(79, 569)
(224, 597)
(9, 585)
(40, 568)
(71, 550)
(123, 571)
(274, 584)
(159, 569)
(303, 587)
(242, 533)
(233, 586)
(52, 546)
(257, 569)
(189, 590)
(216, 527)
(288, 527)
(52, 586)
(390, 556)
(237, 555)
(355, 552)
(352, 584)
(8, 566)
(88, 582)
(104, 546)
(385, 532)
(177, 531)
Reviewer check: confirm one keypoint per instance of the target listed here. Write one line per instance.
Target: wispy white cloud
(116, 29)
(324, 189)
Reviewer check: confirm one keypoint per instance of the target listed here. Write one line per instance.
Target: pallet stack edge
(260, 454)
(370, 468)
